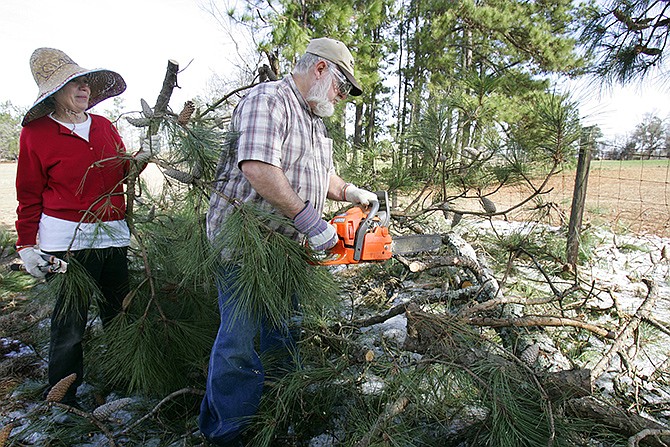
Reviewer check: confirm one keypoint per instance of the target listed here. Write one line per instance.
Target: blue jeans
(236, 372)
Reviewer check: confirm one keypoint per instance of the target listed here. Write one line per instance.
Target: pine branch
(642, 312)
(76, 286)
(273, 269)
(159, 405)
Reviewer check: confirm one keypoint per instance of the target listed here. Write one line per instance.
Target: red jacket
(62, 175)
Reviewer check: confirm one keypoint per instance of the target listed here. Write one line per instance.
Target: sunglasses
(343, 85)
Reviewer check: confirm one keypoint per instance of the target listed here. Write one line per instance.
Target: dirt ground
(625, 198)
(8, 201)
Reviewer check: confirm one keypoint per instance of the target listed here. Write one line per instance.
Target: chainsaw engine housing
(362, 236)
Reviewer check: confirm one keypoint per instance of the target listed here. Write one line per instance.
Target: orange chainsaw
(363, 236)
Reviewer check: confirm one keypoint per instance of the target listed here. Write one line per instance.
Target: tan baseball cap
(338, 53)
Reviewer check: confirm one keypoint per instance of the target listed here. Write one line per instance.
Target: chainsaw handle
(363, 229)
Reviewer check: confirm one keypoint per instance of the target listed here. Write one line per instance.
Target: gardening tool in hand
(47, 264)
(363, 236)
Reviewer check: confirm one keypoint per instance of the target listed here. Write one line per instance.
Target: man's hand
(355, 195)
(38, 263)
(320, 234)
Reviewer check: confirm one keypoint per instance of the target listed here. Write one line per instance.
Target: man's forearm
(336, 188)
(271, 183)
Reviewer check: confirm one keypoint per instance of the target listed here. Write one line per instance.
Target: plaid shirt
(274, 124)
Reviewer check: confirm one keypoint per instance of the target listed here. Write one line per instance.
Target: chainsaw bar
(415, 243)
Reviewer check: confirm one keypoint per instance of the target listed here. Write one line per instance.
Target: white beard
(318, 97)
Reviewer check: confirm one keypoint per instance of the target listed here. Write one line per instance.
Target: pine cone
(138, 122)
(186, 112)
(530, 354)
(5, 432)
(106, 410)
(146, 109)
(488, 205)
(57, 393)
(182, 176)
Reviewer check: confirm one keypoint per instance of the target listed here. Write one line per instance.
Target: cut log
(169, 83)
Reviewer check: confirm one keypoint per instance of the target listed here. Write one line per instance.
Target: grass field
(8, 201)
(625, 196)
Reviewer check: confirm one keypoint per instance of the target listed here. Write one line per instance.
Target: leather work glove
(38, 263)
(320, 234)
(354, 194)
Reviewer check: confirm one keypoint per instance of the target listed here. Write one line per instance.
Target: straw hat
(52, 69)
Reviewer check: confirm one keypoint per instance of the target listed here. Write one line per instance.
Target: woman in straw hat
(71, 170)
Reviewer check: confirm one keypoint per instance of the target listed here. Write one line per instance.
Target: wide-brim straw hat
(52, 69)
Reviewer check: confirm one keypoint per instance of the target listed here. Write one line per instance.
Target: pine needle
(77, 288)
(274, 271)
(153, 355)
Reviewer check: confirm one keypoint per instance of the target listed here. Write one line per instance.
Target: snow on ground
(617, 264)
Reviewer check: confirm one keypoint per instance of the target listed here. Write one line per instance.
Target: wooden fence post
(579, 195)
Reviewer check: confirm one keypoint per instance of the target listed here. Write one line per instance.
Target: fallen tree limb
(643, 312)
(500, 300)
(530, 321)
(460, 294)
(624, 422)
(447, 337)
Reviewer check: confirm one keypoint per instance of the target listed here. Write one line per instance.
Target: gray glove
(38, 263)
(320, 234)
(354, 194)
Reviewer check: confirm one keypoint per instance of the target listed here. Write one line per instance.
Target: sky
(617, 110)
(136, 38)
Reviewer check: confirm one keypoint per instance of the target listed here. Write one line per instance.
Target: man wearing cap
(281, 158)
